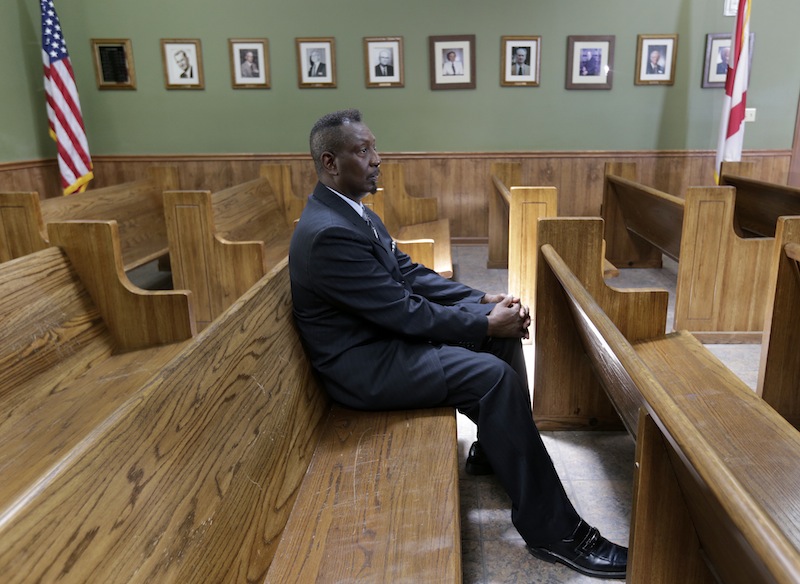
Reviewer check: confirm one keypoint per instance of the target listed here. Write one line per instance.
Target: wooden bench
(514, 213)
(758, 203)
(77, 340)
(413, 222)
(221, 244)
(135, 206)
(779, 369)
(714, 462)
(722, 278)
(195, 475)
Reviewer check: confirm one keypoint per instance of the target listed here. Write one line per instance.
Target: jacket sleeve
(421, 304)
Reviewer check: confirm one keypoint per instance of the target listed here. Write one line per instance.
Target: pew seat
(136, 206)
(713, 460)
(229, 464)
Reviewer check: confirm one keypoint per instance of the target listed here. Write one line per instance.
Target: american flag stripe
(63, 106)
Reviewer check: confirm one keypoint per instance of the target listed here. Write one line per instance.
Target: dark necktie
(371, 226)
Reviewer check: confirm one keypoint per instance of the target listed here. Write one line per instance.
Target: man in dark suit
(384, 68)
(385, 333)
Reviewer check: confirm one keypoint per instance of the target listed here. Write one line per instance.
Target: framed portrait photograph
(383, 61)
(718, 52)
(113, 64)
(452, 61)
(316, 62)
(590, 62)
(249, 63)
(183, 63)
(655, 59)
(519, 61)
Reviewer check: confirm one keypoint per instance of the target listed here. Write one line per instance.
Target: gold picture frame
(383, 62)
(183, 63)
(113, 63)
(249, 63)
(316, 62)
(655, 59)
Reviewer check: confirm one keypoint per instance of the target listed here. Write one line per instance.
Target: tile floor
(595, 467)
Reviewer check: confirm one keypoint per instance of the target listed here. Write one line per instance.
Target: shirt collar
(358, 207)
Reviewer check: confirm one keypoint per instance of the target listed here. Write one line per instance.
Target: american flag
(731, 130)
(63, 106)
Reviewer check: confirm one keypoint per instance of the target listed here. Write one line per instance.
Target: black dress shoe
(587, 552)
(477, 463)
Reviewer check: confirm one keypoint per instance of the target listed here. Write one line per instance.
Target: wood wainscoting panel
(459, 180)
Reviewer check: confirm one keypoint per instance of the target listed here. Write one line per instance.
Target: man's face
(248, 56)
(654, 57)
(451, 56)
(181, 60)
(384, 57)
(724, 54)
(356, 164)
(520, 56)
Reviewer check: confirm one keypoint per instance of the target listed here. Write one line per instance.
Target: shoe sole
(553, 558)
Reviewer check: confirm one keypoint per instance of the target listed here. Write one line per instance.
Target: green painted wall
(413, 118)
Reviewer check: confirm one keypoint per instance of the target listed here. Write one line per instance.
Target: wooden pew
(758, 203)
(413, 222)
(779, 368)
(514, 213)
(221, 244)
(135, 206)
(194, 477)
(722, 278)
(77, 340)
(713, 460)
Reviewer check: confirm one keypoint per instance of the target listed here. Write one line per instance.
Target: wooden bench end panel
(137, 318)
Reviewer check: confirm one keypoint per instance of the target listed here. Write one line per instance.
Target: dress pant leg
(488, 391)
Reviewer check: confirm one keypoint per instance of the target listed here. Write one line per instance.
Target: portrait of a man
(453, 63)
(521, 63)
(385, 66)
(249, 63)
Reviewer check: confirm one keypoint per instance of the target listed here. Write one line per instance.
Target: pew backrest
(136, 207)
(193, 478)
(759, 204)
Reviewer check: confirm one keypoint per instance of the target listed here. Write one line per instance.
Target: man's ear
(329, 163)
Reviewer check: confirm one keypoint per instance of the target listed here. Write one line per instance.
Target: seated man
(385, 333)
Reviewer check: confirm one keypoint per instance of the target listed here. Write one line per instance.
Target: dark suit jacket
(389, 71)
(320, 70)
(368, 315)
